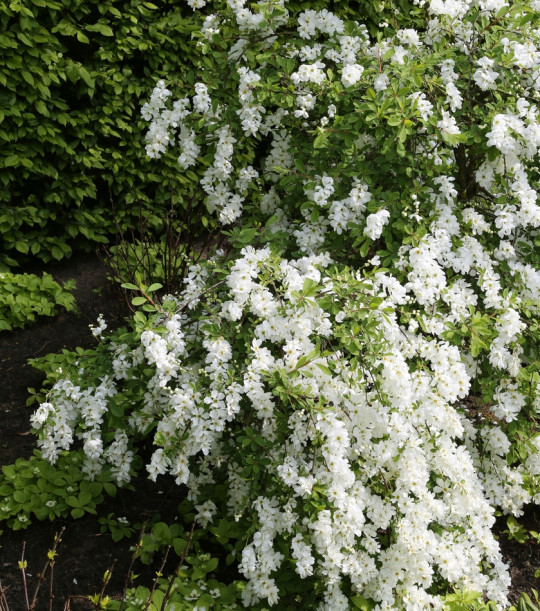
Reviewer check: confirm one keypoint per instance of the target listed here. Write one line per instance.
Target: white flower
(381, 82)
(484, 77)
(100, 327)
(309, 73)
(205, 513)
(375, 223)
(351, 74)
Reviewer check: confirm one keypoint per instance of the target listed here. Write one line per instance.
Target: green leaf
(57, 252)
(101, 28)
(82, 37)
(86, 77)
(110, 489)
(72, 501)
(28, 77)
(395, 120)
(84, 498)
(42, 108)
(11, 160)
(362, 603)
(321, 140)
(22, 247)
(324, 369)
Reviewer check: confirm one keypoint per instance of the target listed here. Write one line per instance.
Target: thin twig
(51, 580)
(106, 579)
(3, 600)
(22, 566)
(158, 575)
(130, 569)
(182, 558)
(41, 576)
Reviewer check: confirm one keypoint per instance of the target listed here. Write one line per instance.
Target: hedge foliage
(72, 162)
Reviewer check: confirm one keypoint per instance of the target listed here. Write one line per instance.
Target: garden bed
(85, 553)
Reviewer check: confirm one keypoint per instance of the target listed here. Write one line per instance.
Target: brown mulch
(84, 554)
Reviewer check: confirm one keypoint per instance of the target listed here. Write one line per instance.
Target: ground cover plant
(23, 297)
(348, 393)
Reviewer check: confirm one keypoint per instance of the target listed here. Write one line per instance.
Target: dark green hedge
(73, 76)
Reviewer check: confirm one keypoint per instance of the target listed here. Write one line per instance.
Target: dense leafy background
(72, 157)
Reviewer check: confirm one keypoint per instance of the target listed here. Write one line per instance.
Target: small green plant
(515, 531)
(35, 488)
(118, 527)
(465, 601)
(473, 601)
(192, 585)
(23, 297)
(525, 603)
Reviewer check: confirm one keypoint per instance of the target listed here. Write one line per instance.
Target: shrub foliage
(350, 393)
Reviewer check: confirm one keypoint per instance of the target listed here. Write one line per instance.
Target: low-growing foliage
(33, 488)
(24, 297)
(118, 527)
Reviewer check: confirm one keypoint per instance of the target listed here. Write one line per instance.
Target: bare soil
(84, 553)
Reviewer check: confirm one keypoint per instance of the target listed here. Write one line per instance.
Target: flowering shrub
(357, 385)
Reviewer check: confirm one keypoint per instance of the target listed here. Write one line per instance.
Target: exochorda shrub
(357, 386)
